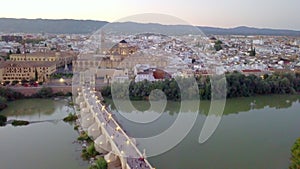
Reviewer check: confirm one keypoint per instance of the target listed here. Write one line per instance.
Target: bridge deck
(121, 140)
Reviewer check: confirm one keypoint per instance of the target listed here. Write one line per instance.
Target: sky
(283, 14)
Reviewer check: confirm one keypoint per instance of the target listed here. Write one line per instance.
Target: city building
(122, 49)
(59, 58)
(11, 71)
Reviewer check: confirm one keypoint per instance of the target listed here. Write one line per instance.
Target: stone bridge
(110, 139)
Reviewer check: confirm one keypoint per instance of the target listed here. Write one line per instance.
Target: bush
(89, 152)
(19, 123)
(71, 117)
(84, 136)
(68, 94)
(2, 123)
(2, 106)
(61, 75)
(84, 155)
(3, 120)
(45, 92)
(59, 94)
(99, 164)
(9, 94)
(76, 127)
(295, 160)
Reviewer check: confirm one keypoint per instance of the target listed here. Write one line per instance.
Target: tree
(24, 81)
(3, 120)
(218, 45)
(101, 163)
(295, 151)
(14, 82)
(18, 51)
(45, 92)
(252, 52)
(36, 76)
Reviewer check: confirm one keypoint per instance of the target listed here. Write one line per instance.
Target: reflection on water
(251, 137)
(47, 144)
(29, 107)
(233, 106)
(36, 109)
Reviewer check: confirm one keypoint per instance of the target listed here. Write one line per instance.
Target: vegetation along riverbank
(238, 85)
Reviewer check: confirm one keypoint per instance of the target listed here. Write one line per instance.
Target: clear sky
(219, 13)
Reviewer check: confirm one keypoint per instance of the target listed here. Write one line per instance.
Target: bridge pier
(84, 111)
(87, 121)
(94, 131)
(102, 144)
(113, 161)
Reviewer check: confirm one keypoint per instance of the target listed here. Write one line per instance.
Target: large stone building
(118, 62)
(122, 49)
(31, 70)
(59, 58)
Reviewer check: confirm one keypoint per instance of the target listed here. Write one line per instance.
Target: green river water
(258, 138)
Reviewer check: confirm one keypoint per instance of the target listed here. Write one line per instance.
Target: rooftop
(25, 64)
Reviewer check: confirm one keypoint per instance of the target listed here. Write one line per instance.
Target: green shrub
(19, 123)
(2, 123)
(3, 118)
(9, 94)
(45, 92)
(99, 164)
(295, 159)
(76, 127)
(70, 118)
(84, 136)
(84, 155)
(91, 150)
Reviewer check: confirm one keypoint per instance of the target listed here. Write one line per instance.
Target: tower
(66, 65)
(102, 41)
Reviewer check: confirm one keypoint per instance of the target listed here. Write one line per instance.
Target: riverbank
(237, 85)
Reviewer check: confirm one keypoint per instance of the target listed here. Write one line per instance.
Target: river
(47, 143)
(246, 138)
(257, 138)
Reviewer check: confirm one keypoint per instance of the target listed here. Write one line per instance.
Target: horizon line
(210, 26)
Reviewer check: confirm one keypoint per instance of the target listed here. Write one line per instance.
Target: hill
(70, 26)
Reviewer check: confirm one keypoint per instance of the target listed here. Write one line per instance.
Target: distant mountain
(11, 25)
(243, 30)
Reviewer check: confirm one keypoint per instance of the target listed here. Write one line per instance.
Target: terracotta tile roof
(251, 71)
(26, 64)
